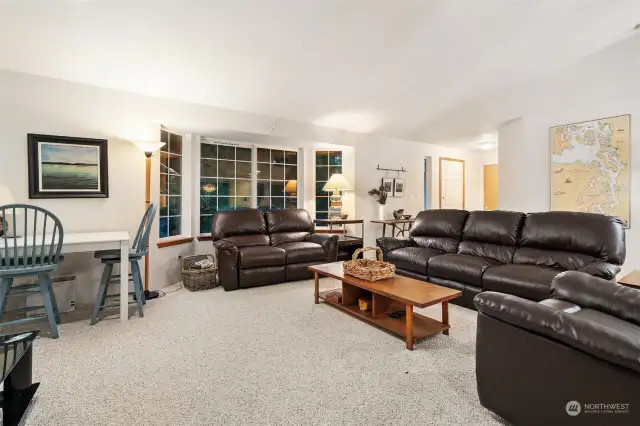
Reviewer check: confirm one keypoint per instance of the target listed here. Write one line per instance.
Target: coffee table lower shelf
(422, 326)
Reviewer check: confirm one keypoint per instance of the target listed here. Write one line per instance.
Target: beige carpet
(261, 356)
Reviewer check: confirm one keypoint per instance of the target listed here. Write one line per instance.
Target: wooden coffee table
(386, 296)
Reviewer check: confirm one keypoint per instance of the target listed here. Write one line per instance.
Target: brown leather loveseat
(257, 248)
(508, 252)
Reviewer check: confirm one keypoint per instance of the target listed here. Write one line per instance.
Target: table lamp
(5, 198)
(291, 188)
(148, 147)
(337, 183)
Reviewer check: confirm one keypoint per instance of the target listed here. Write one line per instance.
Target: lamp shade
(149, 146)
(5, 196)
(337, 182)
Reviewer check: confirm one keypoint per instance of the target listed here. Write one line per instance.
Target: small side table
(399, 227)
(631, 280)
(347, 244)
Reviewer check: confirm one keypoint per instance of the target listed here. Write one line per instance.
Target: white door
(451, 183)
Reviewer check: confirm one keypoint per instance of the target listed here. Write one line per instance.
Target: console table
(347, 244)
(632, 279)
(17, 359)
(399, 227)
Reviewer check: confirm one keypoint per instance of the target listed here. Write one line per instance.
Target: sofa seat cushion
(261, 256)
(462, 268)
(529, 281)
(412, 259)
(300, 252)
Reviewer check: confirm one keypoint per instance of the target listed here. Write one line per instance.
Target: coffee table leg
(445, 316)
(316, 277)
(409, 325)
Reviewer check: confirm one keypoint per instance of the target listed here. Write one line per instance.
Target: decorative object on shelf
(397, 214)
(334, 296)
(66, 167)
(380, 195)
(336, 183)
(149, 147)
(344, 216)
(406, 216)
(368, 269)
(364, 304)
(388, 185)
(398, 187)
(199, 272)
(604, 144)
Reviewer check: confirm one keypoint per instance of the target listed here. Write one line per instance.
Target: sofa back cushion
(491, 234)
(439, 229)
(570, 240)
(242, 228)
(288, 226)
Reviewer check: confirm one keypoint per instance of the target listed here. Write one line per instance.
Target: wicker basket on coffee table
(368, 269)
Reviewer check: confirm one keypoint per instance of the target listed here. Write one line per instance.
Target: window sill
(205, 237)
(174, 241)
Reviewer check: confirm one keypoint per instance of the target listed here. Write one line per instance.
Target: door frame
(464, 182)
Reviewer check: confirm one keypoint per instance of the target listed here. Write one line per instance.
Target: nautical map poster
(590, 167)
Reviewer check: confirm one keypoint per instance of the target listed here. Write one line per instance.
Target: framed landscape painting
(66, 167)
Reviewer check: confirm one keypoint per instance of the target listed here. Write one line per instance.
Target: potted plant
(380, 195)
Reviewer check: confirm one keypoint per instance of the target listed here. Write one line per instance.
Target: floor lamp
(148, 147)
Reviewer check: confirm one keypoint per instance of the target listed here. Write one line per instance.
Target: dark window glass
(291, 203)
(226, 187)
(243, 188)
(226, 169)
(208, 150)
(291, 157)
(277, 202)
(291, 173)
(164, 227)
(208, 168)
(164, 183)
(264, 188)
(226, 152)
(208, 187)
(263, 171)
(175, 185)
(322, 158)
(175, 146)
(335, 169)
(335, 158)
(226, 203)
(322, 204)
(243, 170)
(277, 189)
(175, 164)
(208, 205)
(243, 154)
(322, 215)
(322, 173)
(264, 203)
(243, 202)
(277, 172)
(277, 156)
(175, 206)
(174, 226)
(264, 155)
(319, 191)
(205, 224)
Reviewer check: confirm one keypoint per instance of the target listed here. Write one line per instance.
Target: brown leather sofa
(257, 248)
(537, 363)
(508, 252)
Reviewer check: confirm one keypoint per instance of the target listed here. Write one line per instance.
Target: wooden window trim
(174, 241)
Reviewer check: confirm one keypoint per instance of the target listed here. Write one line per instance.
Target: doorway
(452, 183)
(491, 187)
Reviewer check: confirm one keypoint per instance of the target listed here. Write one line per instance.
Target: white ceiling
(389, 66)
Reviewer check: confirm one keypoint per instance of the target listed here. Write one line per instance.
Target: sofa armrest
(389, 244)
(620, 346)
(329, 243)
(600, 269)
(598, 294)
(228, 258)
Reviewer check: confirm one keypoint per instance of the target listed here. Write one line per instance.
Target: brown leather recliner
(255, 248)
(573, 359)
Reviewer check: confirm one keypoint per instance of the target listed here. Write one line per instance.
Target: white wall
(601, 86)
(30, 104)
(490, 156)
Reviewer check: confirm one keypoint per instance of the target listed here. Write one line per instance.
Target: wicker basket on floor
(367, 269)
(198, 279)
